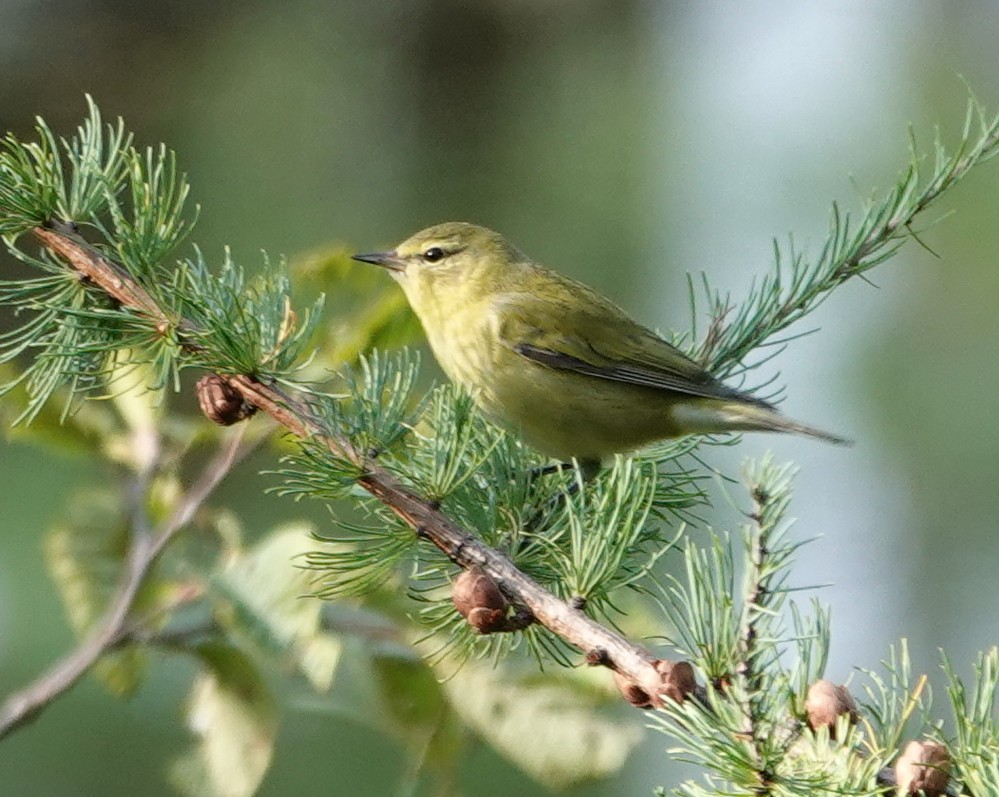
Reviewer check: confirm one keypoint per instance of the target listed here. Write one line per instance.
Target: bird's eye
(433, 254)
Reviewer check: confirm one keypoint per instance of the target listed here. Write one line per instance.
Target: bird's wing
(581, 331)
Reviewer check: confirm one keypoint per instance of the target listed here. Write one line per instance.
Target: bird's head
(450, 256)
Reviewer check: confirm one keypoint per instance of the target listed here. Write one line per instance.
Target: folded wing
(586, 334)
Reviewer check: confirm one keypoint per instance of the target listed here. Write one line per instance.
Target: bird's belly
(560, 413)
(565, 415)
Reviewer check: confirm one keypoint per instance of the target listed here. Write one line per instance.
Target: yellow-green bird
(561, 365)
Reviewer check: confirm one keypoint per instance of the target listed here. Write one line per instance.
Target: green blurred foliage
(234, 713)
(264, 593)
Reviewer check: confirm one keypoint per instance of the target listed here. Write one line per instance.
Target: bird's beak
(389, 260)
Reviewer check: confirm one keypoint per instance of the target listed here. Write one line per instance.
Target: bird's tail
(760, 417)
(750, 415)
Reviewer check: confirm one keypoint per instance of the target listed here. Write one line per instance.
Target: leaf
(382, 684)
(547, 725)
(265, 595)
(410, 692)
(236, 718)
(139, 405)
(318, 659)
(85, 557)
(416, 710)
(140, 408)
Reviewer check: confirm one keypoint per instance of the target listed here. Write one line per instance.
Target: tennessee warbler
(555, 361)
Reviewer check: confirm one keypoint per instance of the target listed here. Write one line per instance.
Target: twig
(601, 645)
(748, 669)
(146, 546)
(779, 302)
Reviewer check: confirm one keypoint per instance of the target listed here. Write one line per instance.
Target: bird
(556, 362)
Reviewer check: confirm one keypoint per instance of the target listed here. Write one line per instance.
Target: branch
(146, 546)
(635, 665)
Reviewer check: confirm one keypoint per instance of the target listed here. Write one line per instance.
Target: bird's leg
(548, 470)
(588, 469)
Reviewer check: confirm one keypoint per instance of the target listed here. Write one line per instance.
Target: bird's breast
(465, 344)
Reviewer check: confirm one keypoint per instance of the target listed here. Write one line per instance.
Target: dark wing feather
(658, 378)
(580, 331)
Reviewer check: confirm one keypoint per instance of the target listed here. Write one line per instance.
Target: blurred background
(625, 143)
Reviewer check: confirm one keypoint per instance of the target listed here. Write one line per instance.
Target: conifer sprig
(798, 283)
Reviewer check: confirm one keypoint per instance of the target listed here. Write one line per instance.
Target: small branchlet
(797, 283)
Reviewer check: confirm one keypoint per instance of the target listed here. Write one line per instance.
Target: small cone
(923, 767)
(480, 601)
(825, 703)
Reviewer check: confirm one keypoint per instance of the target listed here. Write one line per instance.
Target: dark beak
(389, 260)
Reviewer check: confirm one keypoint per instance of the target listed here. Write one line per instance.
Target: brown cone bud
(221, 402)
(825, 703)
(480, 601)
(678, 679)
(675, 680)
(632, 692)
(924, 766)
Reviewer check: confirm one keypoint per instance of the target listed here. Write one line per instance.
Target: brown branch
(111, 277)
(146, 546)
(634, 665)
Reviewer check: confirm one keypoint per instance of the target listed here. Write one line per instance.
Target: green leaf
(410, 692)
(85, 557)
(235, 717)
(548, 725)
(415, 710)
(265, 594)
(139, 405)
